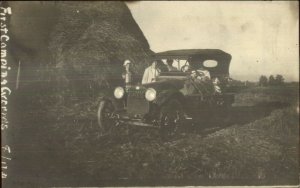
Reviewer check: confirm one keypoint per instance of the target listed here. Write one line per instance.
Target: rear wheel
(227, 107)
(104, 114)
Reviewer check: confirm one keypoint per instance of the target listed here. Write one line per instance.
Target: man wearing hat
(128, 74)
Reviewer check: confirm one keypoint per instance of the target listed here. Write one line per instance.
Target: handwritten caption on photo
(5, 90)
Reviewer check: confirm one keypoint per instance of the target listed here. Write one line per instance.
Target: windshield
(176, 63)
(164, 66)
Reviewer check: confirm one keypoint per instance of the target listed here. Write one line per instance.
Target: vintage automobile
(175, 98)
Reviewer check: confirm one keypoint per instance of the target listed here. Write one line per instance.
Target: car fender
(116, 103)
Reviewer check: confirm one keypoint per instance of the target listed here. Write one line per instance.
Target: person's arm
(207, 74)
(145, 77)
(158, 72)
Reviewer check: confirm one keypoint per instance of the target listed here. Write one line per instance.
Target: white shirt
(150, 74)
(171, 68)
(128, 77)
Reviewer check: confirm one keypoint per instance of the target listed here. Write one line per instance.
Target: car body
(167, 103)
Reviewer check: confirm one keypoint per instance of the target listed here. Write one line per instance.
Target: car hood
(166, 84)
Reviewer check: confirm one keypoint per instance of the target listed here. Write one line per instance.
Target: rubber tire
(170, 108)
(104, 123)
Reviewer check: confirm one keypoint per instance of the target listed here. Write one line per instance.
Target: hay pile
(74, 48)
(92, 39)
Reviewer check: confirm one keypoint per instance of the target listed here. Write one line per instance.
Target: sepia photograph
(149, 93)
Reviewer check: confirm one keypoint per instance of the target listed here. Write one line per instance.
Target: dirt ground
(256, 145)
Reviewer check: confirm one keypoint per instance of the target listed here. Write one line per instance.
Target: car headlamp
(150, 94)
(119, 92)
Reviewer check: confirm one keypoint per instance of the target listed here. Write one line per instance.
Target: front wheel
(170, 117)
(104, 114)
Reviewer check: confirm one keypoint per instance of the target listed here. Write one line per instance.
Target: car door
(193, 97)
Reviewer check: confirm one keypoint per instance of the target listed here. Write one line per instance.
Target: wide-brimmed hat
(126, 62)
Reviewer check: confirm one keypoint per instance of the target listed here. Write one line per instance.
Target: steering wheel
(185, 68)
(201, 74)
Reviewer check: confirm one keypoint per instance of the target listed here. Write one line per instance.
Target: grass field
(258, 145)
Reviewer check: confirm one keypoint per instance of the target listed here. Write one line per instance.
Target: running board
(139, 124)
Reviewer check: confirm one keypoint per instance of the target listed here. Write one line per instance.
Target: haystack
(75, 47)
(92, 39)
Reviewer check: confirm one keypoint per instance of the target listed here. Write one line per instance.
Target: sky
(262, 37)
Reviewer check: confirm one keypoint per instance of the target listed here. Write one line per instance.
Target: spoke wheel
(170, 118)
(104, 114)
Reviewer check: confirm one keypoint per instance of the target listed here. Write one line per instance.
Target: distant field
(255, 95)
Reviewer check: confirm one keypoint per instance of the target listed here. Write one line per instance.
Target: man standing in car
(150, 73)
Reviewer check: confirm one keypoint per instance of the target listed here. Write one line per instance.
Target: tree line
(271, 81)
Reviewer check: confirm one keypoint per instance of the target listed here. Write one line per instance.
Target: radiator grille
(137, 104)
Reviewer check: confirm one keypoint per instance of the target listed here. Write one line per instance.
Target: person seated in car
(161, 66)
(202, 79)
(170, 65)
(201, 74)
(216, 83)
(151, 73)
(186, 68)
